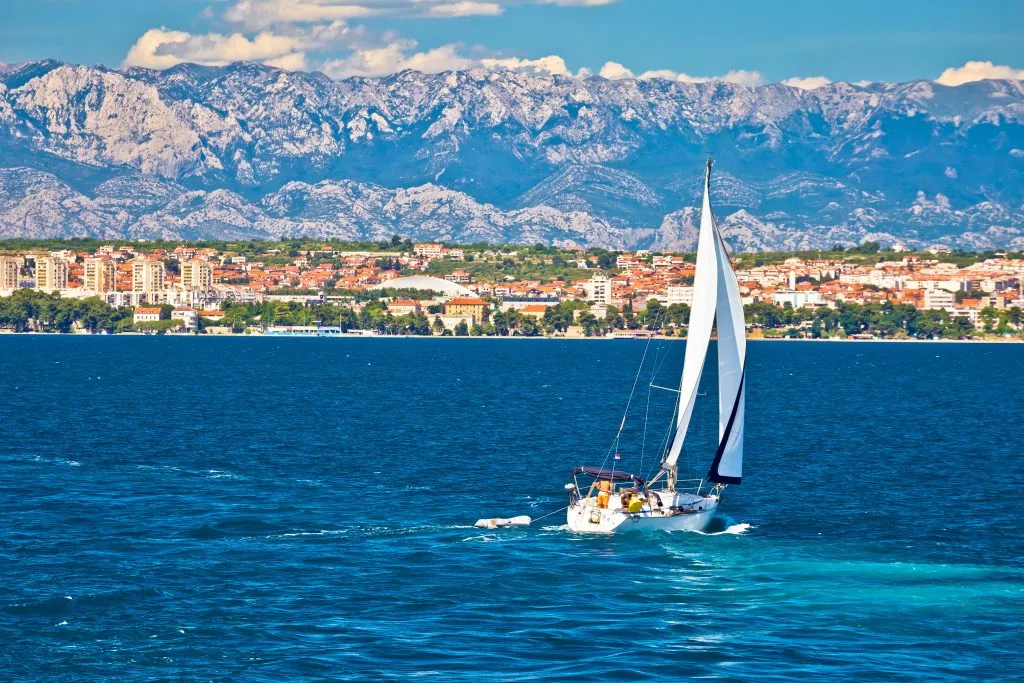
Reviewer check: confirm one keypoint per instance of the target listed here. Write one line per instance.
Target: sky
(803, 42)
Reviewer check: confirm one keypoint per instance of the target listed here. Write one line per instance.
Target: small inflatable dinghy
(503, 522)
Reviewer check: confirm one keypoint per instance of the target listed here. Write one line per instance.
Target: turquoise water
(259, 509)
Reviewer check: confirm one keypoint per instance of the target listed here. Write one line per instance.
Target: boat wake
(723, 525)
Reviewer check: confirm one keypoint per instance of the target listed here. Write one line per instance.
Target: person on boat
(604, 492)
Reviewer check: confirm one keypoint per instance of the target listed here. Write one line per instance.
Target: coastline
(1016, 340)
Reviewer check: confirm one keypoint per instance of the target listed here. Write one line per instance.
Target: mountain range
(248, 151)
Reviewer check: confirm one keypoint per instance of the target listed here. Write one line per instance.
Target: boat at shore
(611, 500)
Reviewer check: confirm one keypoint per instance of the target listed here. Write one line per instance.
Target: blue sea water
(268, 508)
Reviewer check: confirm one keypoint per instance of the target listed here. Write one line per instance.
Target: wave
(724, 525)
(62, 605)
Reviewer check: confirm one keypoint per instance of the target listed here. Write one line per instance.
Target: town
(310, 288)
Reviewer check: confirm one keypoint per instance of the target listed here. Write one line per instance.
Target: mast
(702, 316)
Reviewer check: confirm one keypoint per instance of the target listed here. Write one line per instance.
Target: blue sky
(746, 41)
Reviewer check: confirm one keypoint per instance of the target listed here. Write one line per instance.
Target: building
(599, 289)
(938, 299)
(51, 274)
(10, 272)
(196, 276)
(428, 250)
(534, 310)
(146, 315)
(678, 294)
(188, 317)
(798, 299)
(213, 315)
(100, 275)
(460, 276)
(518, 303)
(147, 276)
(403, 306)
(466, 306)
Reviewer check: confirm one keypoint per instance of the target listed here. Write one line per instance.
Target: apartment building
(100, 275)
(196, 276)
(10, 272)
(51, 274)
(147, 276)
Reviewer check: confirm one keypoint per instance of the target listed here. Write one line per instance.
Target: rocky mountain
(248, 151)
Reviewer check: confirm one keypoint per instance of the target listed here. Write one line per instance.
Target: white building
(428, 250)
(679, 294)
(798, 299)
(938, 299)
(146, 315)
(599, 289)
(188, 317)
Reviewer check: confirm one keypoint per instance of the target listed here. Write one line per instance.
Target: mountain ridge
(501, 155)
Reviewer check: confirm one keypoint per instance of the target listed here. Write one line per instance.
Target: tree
(438, 326)
(590, 324)
(653, 316)
(462, 329)
(989, 316)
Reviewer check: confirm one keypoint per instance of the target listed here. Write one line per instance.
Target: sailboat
(617, 501)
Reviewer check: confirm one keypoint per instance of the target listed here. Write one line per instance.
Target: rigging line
(537, 519)
(668, 434)
(629, 401)
(647, 411)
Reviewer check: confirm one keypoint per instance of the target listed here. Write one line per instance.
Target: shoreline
(512, 337)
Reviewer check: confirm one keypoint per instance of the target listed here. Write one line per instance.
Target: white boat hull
(584, 516)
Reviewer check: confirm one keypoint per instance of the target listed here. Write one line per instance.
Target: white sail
(727, 466)
(702, 316)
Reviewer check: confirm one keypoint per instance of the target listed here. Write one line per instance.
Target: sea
(266, 509)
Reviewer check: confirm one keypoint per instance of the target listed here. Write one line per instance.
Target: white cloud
(398, 56)
(552, 65)
(738, 76)
(577, 3)
(261, 14)
(808, 83)
(615, 71)
(257, 14)
(159, 48)
(393, 58)
(977, 71)
(465, 9)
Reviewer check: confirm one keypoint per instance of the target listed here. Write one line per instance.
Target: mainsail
(716, 298)
(702, 316)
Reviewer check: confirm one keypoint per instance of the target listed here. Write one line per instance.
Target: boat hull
(582, 513)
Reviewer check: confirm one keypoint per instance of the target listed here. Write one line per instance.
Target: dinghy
(611, 500)
(502, 522)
